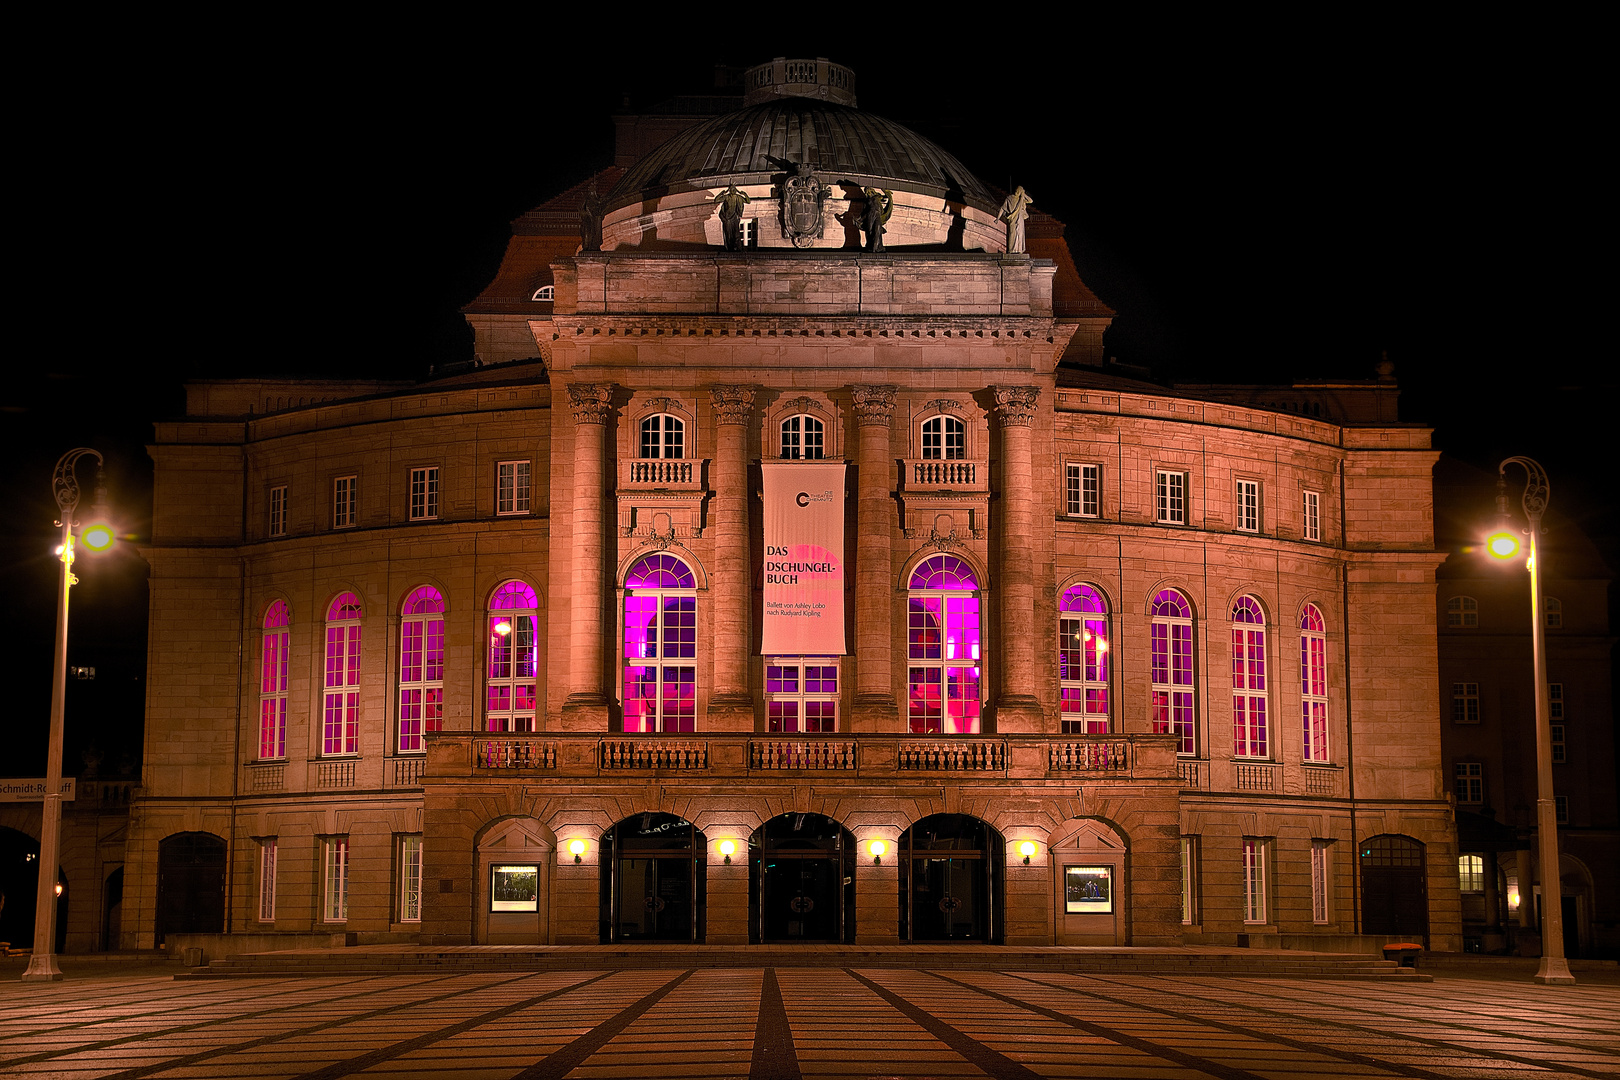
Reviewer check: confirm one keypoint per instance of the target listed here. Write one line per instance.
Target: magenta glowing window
(1313, 683)
(273, 683)
(421, 668)
(943, 676)
(511, 677)
(801, 694)
(1083, 661)
(1171, 663)
(1249, 731)
(340, 726)
(660, 646)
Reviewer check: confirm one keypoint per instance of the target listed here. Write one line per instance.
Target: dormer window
(543, 293)
(944, 437)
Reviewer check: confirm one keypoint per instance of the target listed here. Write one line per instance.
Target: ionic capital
(873, 405)
(733, 404)
(590, 402)
(1015, 405)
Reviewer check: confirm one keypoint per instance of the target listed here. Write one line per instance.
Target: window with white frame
(1469, 777)
(511, 488)
(273, 683)
(943, 637)
(1082, 489)
(1462, 612)
(1170, 498)
(335, 879)
(803, 437)
(1561, 809)
(1189, 880)
(660, 645)
(1320, 881)
(511, 677)
(663, 436)
(340, 727)
(801, 693)
(1171, 663)
(1465, 703)
(410, 878)
(1250, 730)
(1312, 528)
(267, 880)
(1555, 716)
(345, 493)
(425, 493)
(278, 510)
(1313, 703)
(1554, 612)
(944, 437)
(545, 293)
(421, 668)
(745, 232)
(1471, 873)
(1083, 661)
(1254, 879)
(1248, 506)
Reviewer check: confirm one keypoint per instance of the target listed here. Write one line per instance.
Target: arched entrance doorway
(801, 882)
(951, 873)
(655, 887)
(191, 885)
(19, 891)
(1394, 887)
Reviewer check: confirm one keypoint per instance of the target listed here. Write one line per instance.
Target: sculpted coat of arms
(803, 194)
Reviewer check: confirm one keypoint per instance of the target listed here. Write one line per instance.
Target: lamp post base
(1554, 971)
(42, 968)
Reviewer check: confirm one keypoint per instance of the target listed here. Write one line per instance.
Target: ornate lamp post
(97, 536)
(1504, 545)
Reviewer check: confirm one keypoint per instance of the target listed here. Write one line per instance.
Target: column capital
(1015, 405)
(590, 402)
(733, 404)
(873, 404)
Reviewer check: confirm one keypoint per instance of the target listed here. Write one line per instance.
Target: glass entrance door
(655, 899)
(947, 898)
(654, 890)
(801, 885)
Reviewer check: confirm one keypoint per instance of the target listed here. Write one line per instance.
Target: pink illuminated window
(340, 726)
(511, 677)
(943, 648)
(1249, 730)
(660, 645)
(1313, 683)
(421, 668)
(1171, 640)
(1083, 661)
(801, 693)
(273, 683)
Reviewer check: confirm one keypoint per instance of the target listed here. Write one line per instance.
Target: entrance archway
(19, 891)
(951, 871)
(191, 885)
(801, 882)
(655, 888)
(1394, 887)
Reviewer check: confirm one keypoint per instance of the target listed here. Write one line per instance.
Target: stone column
(1494, 939)
(587, 706)
(731, 706)
(874, 705)
(1527, 894)
(1017, 709)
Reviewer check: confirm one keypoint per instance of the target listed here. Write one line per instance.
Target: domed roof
(840, 142)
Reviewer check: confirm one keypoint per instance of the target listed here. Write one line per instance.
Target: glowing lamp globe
(1502, 545)
(97, 537)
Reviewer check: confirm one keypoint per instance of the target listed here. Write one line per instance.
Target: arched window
(942, 647)
(1554, 609)
(660, 645)
(421, 667)
(1083, 661)
(1172, 667)
(1313, 682)
(1462, 611)
(1249, 731)
(944, 437)
(273, 684)
(340, 728)
(510, 680)
(803, 436)
(663, 436)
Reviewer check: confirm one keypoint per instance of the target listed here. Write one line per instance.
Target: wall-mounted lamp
(576, 848)
(877, 848)
(728, 848)
(1026, 849)
(58, 888)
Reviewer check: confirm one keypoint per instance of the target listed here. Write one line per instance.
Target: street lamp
(97, 536)
(1504, 545)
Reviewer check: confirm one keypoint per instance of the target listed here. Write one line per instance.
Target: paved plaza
(853, 1023)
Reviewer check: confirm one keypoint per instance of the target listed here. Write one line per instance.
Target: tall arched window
(273, 683)
(1249, 730)
(944, 437)
(660, 645)
(942, 647)
(1172, 669)
(803, 436)
(421, 667)
(1083, 661)
(509, 696)
(663, 436)
(1313, 682)
(340, 728)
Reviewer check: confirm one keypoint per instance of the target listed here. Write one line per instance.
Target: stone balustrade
(1089, 755)
(765, 755)
(663, 473)
(957, 474)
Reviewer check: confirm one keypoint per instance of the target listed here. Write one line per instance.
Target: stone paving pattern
(780, 1023)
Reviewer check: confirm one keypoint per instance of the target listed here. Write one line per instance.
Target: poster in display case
(514, 888)
(1088, 890)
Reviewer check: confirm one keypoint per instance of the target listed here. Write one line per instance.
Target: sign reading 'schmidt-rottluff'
(804, 559)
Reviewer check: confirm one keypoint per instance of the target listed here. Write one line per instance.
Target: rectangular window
(801, 693)
(1560, 750)
(1555, 701)
(511, 488)
(1254, 880)
(1248, 506)
(1312, 529)
(1319, 881)
(1171, 498)
(1561, 809)
(1465, 703)
(278, 510)
(410, 879)
(1189, 880)
(1082, 490)
(1470, 778)
(425, 493)
(335, 879)
(1471, 873)
(345, 489)
(267, 880)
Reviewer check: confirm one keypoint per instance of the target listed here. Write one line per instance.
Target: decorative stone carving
(945, 405)
(803, 404)
(874, 405)
(590, 402)
(803, 194)
(733, 404)
(945, 541)
(1015, 405)
(664, 404)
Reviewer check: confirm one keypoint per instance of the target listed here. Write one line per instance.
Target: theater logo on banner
(804, 559)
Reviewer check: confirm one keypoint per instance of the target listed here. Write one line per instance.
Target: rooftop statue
(1014, 210)
(730, 203)
(879, 205)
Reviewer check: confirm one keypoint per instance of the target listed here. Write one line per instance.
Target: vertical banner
(804, 558)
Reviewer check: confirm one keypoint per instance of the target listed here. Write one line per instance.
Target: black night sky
(1258, 203)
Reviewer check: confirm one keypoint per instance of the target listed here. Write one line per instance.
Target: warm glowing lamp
(58, 888)
(728, 848)
(576, 848)
(97, 537)
(1503, 545)
(877, 848)
(1026, 849)
(503, 628)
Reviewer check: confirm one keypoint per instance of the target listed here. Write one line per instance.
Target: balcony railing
(765, 755)
(510, 753)
(1322, 780)
(334, 774)
(671, 473)
(966, 755)
(1111, 755)
(1252, 777)
(408, 771)
(957, 474)
(267, 777)
(618, 754)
